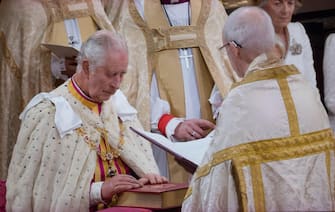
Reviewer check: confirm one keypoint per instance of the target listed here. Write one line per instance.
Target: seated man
(273, 149)
(75, 149)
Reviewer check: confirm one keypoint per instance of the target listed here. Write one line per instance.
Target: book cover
(62, 51)
(159, 196)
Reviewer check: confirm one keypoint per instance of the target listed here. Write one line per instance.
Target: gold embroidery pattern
(328, 165)
(94, 145)
(272, 150)
(290, 107)
(255, 153)
(266, 74)
(174, 38)
(281, 74)
(108, 153)
(241, 188)
(115, 153)
(257, 187)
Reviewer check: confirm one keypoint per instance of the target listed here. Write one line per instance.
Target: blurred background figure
(329, 77)
(25, 65)
(291, 37)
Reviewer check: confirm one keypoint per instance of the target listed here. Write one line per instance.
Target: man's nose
(117, 81)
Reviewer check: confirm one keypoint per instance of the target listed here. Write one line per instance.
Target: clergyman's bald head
(252, 28)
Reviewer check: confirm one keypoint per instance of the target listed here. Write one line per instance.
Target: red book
(159, 196)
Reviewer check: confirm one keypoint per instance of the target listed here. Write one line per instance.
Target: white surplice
(256, 111)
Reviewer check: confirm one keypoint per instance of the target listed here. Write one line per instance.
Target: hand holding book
(192, 129)
(188, 154)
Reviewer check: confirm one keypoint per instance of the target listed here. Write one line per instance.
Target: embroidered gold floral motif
(295, 48)
(115, 153)
(110, 153)
(92, 144)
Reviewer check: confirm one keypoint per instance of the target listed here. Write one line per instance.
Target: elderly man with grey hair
(75, 150)
(273, 149)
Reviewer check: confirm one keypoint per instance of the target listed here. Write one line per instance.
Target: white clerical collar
(81, 92)
(263, 62)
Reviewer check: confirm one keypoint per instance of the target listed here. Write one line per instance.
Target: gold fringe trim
(272, 150)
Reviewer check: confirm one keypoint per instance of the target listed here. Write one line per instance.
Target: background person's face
(105, 80)
(281, 11)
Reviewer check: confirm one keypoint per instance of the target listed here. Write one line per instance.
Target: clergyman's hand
(193, 129)
(118, 184)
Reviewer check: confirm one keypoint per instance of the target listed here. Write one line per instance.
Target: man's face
(281, 11)
(232, 49)
(106, 79)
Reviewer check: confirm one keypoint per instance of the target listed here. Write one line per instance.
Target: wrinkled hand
(70, 66)
(193, 129)
(153, 179)
(118, 184)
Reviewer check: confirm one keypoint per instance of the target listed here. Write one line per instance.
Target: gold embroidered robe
(49, 173)
(272, 151)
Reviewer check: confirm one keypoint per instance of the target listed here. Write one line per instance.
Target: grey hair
(252, 28)
(261, 3)
(98, 46)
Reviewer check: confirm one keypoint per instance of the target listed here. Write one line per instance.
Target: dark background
(318, 18)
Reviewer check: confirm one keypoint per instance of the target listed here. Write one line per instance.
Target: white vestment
(300, 52)
(329, 77)
(272, 151)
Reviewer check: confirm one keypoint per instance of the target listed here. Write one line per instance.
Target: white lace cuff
(95, 194)
(171, 127)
